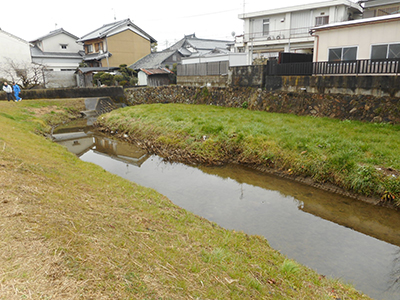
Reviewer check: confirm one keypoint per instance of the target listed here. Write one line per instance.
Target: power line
(199, 15)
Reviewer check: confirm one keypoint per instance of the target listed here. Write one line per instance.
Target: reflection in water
(394, 283)
(334, 235)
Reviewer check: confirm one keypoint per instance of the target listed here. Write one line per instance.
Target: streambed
(335, 235)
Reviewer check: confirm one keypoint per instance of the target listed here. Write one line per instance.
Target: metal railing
(271, 35)
(204, 69)
(356, 67)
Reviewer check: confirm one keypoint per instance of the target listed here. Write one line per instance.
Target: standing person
(8, 89)
(17, 90)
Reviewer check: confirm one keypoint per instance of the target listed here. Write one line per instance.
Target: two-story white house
(266, 33)
(61, 55)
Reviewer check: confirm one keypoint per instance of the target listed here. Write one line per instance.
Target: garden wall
(115, 93)
(353, 107)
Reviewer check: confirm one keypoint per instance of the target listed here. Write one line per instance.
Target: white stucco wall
(362, 37)
(15, 49)
(53, 44)
(58, 64)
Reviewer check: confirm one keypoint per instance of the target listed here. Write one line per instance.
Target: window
(343, 54)
(321, 20)
(64, 46)
(385, 51)
(89, 48)
(265, 26)
(98, 47)
(388, 11)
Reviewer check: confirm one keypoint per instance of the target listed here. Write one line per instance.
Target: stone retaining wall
(353, 107)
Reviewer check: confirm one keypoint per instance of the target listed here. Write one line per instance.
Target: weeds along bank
(343, 107)
(349, 157)
(71, 230)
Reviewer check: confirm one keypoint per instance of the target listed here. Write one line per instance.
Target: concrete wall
(246, 76)
(357, 107)
(60, 79)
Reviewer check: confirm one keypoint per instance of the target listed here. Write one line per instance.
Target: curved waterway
(334, 235)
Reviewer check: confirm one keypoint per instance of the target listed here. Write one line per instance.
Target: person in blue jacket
(17, 90)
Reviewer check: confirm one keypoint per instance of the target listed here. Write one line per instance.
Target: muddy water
(334, 235)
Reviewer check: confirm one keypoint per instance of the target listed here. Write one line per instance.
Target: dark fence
(204, 69)
(356, 67)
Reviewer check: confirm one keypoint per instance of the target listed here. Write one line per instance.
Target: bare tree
(27, 74)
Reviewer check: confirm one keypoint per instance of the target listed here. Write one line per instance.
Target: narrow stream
(335, 235)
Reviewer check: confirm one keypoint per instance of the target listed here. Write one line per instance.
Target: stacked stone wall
(366, 108)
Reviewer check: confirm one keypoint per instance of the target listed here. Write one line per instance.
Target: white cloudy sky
(166, 21)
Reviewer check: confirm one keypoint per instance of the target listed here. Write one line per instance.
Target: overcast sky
(166, 21)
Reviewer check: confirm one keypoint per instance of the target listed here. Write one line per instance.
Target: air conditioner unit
(280, 36)
(270, 37)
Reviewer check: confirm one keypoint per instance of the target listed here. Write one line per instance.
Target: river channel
(334, 235)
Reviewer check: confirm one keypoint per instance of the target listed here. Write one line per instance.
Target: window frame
(324, 17)
(266, 22)
(342, 52)
(89, 48)
(387, 45)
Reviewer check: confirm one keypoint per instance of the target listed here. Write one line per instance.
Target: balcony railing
(357, 67)
(274, 35)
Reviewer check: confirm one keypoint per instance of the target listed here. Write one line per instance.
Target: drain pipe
(316, 43)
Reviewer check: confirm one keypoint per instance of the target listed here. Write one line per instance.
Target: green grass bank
(71, 230)
(362, 158)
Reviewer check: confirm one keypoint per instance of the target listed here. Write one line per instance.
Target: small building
(154, 77)
(116, 44)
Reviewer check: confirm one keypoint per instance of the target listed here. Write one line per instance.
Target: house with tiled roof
(189, 46)
(60, 54)
(114, 44)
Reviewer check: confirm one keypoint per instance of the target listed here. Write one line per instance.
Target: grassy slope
(359, 157)
(70, 230)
